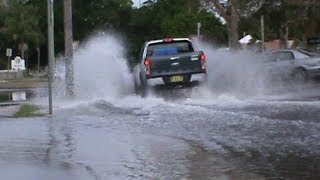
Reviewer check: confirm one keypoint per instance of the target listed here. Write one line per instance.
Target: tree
(3, 2)
(155, 19)
(68, 45)
(22, 24)
(101, 15)
(3, 38)
(173, 18)
(232, 11)
(306, 23)
(286, 19)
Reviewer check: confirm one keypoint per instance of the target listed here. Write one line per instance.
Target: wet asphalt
(220, 136)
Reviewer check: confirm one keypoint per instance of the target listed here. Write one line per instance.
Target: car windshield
(164, 49)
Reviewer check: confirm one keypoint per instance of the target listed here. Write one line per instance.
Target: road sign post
(50, 49)
(8, 66)
(198, 29)
(9, 54)
(262, 33)
(38, 51)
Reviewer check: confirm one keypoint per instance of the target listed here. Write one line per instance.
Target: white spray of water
(246, 75)
(100, 72)
(101, 69)
(236, 73)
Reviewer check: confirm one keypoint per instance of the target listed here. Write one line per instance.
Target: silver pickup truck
(169, 62)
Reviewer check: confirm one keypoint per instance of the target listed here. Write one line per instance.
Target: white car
(299, 64)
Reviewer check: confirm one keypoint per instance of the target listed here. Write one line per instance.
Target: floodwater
(237, 127)
(154, 138)
(15, 96)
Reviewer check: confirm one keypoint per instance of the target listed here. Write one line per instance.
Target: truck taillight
(203, 59)
(168, 40)
(147, 65)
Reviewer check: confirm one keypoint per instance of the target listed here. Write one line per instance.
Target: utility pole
(287, 35)
(199, 30)
(262, 33)
(38, 50)
(50, 49)
(68, 45)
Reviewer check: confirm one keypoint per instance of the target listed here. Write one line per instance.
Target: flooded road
(240, 126)
(156, 138)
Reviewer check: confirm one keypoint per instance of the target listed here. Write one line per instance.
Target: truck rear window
(173, 48)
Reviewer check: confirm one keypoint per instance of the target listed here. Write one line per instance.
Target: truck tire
(142, 88)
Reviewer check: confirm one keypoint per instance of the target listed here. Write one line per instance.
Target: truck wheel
(142, 88)
(136, 88)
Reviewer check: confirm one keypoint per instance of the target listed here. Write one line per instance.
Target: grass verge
(28, 110)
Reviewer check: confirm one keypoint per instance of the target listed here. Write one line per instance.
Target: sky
(136, 2)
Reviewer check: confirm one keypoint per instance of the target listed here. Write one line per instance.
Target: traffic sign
(9, 52)
(199, 25)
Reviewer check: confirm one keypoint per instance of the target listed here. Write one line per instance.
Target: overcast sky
(136, 2)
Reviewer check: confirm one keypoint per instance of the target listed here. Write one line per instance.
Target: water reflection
(15, 96)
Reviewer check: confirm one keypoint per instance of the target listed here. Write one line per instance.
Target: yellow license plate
(176, 79)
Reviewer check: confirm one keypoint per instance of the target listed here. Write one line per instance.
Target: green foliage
(300, 16)
(173, 18)
(3, 37)
(22, 22)
(26, 21)
(100, 15)
(28, 110)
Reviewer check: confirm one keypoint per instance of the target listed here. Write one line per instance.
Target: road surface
(220, 137)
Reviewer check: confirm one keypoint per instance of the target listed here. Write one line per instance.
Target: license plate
(176, 79)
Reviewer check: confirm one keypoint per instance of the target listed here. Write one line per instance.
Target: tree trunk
(68, 45)
(233, 33)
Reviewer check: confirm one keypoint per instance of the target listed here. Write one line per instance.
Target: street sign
(9, 52)
(199, 25)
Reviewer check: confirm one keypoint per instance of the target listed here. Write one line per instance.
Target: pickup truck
(170, 62)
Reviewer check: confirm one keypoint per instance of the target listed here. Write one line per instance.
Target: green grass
(28, 110)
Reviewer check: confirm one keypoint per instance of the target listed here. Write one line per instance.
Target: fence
(11, 74)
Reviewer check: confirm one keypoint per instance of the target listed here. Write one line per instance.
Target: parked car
(298, 64)
(169, 62)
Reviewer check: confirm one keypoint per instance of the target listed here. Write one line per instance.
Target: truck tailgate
(176, 64)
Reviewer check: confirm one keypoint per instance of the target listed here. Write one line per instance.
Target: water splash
(101, 69)
(101, 72)
(238, 73)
